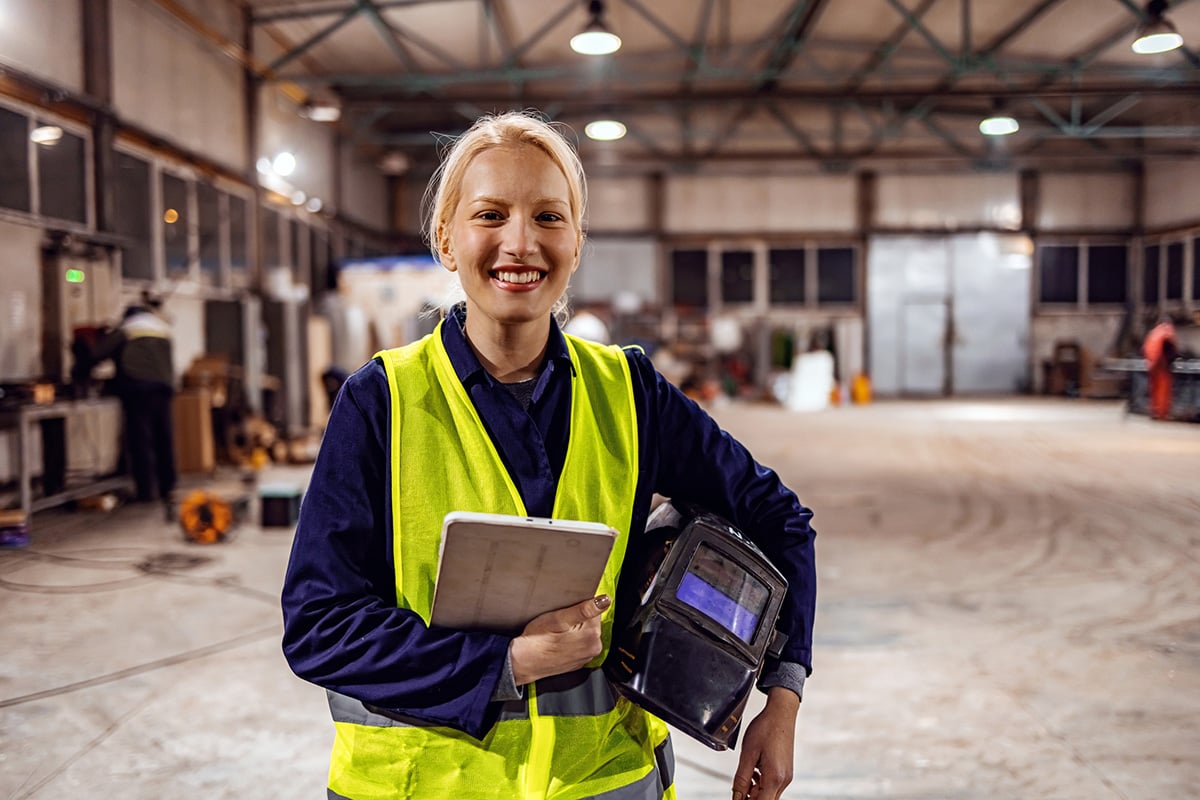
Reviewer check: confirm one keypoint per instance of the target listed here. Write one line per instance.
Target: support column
(96, 16)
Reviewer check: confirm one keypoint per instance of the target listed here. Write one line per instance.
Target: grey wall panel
(948, 201)
(1086, 201)
(171, 81)
(20, 303)
(44, 38)
(609, 266)
(1172, 196)
(991, 314)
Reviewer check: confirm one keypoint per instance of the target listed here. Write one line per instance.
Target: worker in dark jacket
(145, 381)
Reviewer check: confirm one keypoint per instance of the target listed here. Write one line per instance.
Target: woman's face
(512, 239)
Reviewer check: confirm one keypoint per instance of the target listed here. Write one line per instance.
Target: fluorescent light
(604, 130)
(1158, 37)
(595, 39)
(46, 134)
(999, 125)
(595, 42)
(322, 112)
(284, 164)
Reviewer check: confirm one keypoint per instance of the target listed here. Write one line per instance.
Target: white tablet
(497, 572)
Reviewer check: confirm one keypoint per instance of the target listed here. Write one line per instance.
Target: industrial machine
(705, 624)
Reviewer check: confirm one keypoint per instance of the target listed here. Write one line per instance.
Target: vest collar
(470, 371)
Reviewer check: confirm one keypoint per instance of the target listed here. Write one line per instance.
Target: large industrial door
(923, 346)
(948, 314)
(991, 282)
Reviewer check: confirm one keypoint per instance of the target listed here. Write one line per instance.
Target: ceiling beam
(311, 41)
(389, 35)
(885, 51)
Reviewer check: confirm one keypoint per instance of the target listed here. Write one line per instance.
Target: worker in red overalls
(1160, 350)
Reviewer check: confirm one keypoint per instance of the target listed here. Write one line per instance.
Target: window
(787, 275)
(295, 236)
(737, 276)
(62, 190)
(270, 240)
(175, 223)
(133, 215)
(1107, 273)
(1174, 271)
(1150, 275)
(835, 275)
(689, 278)
(318, 251)
(208, 222)
(239, 247)
(1196, 268)
(14, 161)
(1058, 268)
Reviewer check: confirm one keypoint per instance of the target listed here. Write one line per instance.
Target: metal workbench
(1185, 386)
(22, 419)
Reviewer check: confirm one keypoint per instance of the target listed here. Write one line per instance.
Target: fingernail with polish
(603, 602)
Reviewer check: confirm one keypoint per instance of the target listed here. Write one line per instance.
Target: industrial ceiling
(836, 83)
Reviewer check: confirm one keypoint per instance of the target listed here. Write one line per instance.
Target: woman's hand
(558, 641)
(768, 749)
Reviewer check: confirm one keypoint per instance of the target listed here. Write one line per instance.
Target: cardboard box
(195, 450)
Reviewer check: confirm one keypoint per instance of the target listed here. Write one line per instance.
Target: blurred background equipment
(208, 516)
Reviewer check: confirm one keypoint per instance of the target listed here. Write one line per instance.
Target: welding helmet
(701, 626)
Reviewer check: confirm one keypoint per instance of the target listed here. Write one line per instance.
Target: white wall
(170, 81)
(1085, 201)
(20, 302)
(364, 190)
(44, 38)
(312, 143)
(764, 203)
(1172, 193)
(948, 201)
(619, 204)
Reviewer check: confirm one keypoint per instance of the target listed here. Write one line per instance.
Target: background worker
(498, 411)
(141, 350)
(1160, 349)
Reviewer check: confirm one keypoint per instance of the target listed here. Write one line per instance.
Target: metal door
(922, 339)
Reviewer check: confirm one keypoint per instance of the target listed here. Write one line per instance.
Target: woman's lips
(517, 279)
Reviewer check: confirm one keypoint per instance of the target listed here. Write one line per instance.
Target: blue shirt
(342, 629)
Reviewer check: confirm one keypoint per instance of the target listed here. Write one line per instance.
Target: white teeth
(519, 277)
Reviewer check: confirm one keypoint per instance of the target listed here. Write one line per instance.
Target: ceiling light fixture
(998, 123)
(46, 135)
(1156, 34)
(595, 39)
(284, 164)
(321, 111)
(604, 130)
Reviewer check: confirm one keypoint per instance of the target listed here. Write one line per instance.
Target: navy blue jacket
(342, 629)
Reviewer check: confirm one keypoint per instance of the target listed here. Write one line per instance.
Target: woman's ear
(445, 253)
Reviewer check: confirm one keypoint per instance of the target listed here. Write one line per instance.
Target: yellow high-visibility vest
(572, 736)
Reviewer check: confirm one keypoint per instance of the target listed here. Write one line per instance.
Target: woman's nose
(520, 238)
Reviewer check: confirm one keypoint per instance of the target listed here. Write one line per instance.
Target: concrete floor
(1009, 608)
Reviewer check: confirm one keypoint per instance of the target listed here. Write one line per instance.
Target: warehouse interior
(908, 251)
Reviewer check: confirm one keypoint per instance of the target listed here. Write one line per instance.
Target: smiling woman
(498, 411)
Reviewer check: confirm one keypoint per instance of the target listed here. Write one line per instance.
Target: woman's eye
(548, 216)
(490, 215)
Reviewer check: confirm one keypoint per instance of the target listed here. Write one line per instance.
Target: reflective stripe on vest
(572, 737)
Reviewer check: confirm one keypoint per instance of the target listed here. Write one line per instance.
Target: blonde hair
(444, 192)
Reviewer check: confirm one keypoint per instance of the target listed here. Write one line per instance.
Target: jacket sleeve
(342, 629)
(698, 462)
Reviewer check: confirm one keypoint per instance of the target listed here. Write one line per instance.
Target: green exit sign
(76, 276)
